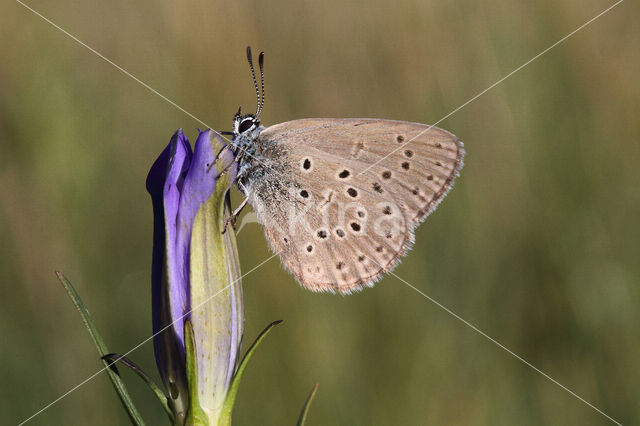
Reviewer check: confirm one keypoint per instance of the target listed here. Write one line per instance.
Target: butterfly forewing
(356, 189)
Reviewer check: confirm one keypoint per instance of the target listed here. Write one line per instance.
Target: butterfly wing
(353, 192)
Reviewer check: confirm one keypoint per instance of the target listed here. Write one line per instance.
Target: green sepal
(164, 401)
(225, 419)
(305, 408)
(195, 414)
(117, 382)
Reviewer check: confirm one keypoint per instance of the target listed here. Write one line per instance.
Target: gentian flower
(198, 316)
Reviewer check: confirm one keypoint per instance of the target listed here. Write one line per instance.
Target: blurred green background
(537, 245)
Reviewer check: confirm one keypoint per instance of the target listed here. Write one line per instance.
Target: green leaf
(164, 401)
(230, 399)
(305, 408)
(195, 414)
(117, 382)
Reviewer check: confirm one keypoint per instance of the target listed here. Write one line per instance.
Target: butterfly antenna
(261, 65)
(253, 74)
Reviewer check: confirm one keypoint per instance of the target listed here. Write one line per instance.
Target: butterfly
(339, 198)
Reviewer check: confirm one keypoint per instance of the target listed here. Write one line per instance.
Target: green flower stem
(117, 382)
(162, 398)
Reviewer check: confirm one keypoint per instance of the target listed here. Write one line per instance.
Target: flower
(198, 316)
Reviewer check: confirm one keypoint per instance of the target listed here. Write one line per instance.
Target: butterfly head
(245, 124)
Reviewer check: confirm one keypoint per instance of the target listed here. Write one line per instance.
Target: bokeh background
(537, 245)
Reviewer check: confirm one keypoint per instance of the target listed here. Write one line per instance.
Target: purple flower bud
(195, 272)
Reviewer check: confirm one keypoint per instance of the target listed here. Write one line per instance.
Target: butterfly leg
(218, 155)
(232, 218)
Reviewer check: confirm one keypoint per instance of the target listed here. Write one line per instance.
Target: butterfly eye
(245, 125)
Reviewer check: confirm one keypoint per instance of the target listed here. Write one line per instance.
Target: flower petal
(198, 186)
(169, 291)
(216, 292)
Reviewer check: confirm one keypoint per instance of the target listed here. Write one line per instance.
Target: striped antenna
(253, 74)
(261, 65)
